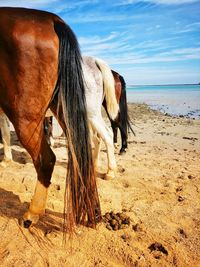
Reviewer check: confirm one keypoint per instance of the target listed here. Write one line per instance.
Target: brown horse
(40, 69)
(122, 121)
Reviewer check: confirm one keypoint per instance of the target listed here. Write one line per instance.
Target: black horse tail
(125, 121)
(81, 198)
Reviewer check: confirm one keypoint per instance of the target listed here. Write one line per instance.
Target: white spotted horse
(122, 121)
(100, 85)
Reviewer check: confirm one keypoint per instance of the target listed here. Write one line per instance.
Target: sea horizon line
(171, 84)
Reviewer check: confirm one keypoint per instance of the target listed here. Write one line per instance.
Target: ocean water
(172, 99)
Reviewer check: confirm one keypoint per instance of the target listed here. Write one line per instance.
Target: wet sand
(157, 186)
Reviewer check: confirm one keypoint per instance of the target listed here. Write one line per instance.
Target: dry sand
(157, 185)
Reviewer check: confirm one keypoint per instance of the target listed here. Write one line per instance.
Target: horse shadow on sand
(11, 207)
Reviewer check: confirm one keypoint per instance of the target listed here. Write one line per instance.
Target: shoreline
(167, 110)
(179, 100)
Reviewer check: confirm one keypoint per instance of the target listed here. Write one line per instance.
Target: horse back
(26, 25)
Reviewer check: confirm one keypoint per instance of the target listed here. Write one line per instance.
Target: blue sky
(148, 42)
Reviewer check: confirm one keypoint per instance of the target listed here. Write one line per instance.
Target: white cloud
(97, 17)
(70, 5)
(96, 39)
(187, 28)
(134, 59)
(101, 46)
(25, 3)
(114, 48)
(171, 2)
(190, 50)
(158, 75)
(162, 2)
(56, 6)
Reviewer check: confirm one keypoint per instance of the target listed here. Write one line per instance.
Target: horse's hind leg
(124, 141)
(103, 132)
(44, 161)
(5, 132)
(114, 129)
(97, 146)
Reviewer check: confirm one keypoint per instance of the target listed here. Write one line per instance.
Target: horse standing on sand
(40, 69)
(99, 84)
(122, 121)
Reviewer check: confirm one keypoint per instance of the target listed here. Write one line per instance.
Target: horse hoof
(110, 175)
(29, 219)
(5, 163)
(122, 151)
(27, 223)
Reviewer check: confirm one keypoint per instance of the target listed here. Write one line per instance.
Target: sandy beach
(157, 188)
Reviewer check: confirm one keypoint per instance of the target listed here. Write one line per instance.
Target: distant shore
(166, 84)
(176, 100)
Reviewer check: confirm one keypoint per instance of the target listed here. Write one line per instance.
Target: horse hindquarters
(46, 56)
(26, 89)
